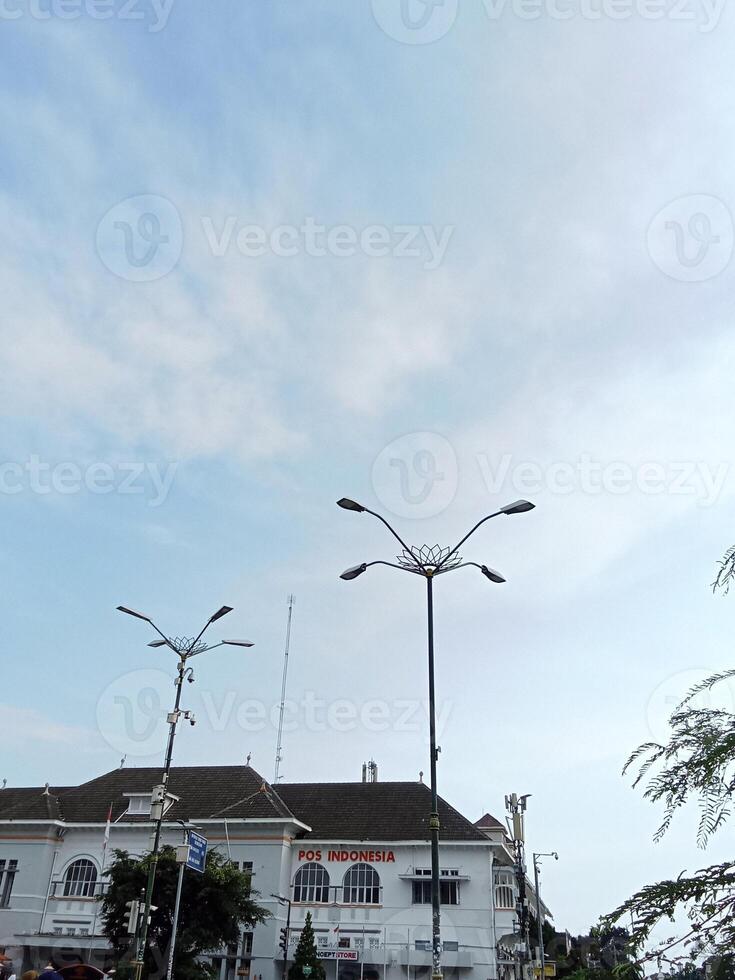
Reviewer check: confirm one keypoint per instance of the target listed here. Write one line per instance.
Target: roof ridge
(272, 791)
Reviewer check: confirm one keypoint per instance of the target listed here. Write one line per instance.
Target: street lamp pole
(539, 919)
(434, 816)
(184, 648)
(430, 562)
(286, 902)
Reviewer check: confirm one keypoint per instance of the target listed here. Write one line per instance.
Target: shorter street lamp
(539, 922)
(285, 932)
(429, 562)
(185, 649)
(182, 856)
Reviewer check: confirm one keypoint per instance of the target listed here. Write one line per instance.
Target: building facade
(355, 855)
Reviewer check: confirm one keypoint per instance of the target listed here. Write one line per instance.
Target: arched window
(361, 885)
(505, 893)
(311, 883)
(80, 879)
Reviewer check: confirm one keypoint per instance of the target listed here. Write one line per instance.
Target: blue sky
(176, 431)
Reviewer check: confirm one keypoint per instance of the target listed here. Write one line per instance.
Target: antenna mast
(279, 747)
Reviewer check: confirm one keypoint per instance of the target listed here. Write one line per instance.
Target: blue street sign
(197, 852)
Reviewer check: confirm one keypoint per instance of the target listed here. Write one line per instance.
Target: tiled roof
(489, 822)
(333, 811)
(373, 811)
(30, 803)
(203, 791)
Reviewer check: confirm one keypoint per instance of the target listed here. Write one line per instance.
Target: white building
(356, 855)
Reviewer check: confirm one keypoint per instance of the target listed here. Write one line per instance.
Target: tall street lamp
(185, 649)
(540, 921)
(430, 562)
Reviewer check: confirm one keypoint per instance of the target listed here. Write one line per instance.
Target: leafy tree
(306, 955)
(604, 954)
(723, 967)
(696, 764)
(215, 906)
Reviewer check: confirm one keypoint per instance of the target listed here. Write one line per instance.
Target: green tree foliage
(696, 764)
(604, 954)
(306, 955)
(215, 907)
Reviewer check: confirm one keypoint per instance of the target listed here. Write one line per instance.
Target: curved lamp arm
(346, 504)
(396, 536)
(485, 569)
(517, 507)
(469, 535)
(357, 570)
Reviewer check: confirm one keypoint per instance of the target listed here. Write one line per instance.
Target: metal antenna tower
(279, 747)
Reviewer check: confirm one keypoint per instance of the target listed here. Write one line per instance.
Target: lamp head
(517, 507)
(132, 612)
(238, 643)
(346, 504)
(158, 643)
(220, 613)
(353, 572)
(492, 574)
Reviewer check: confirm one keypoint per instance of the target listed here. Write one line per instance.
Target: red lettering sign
(354, 857)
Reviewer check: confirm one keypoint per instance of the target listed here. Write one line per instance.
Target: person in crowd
(50, 971)
(29, 975)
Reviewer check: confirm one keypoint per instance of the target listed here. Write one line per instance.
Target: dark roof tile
(373, 811)
(333, 811)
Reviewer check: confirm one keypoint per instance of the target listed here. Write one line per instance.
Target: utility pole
(279, 746)
(285, 932)
(539, 917)
(516, 807)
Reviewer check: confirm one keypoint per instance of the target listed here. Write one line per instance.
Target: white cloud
(28, 725)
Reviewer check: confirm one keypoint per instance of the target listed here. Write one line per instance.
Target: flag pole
(105, 842)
